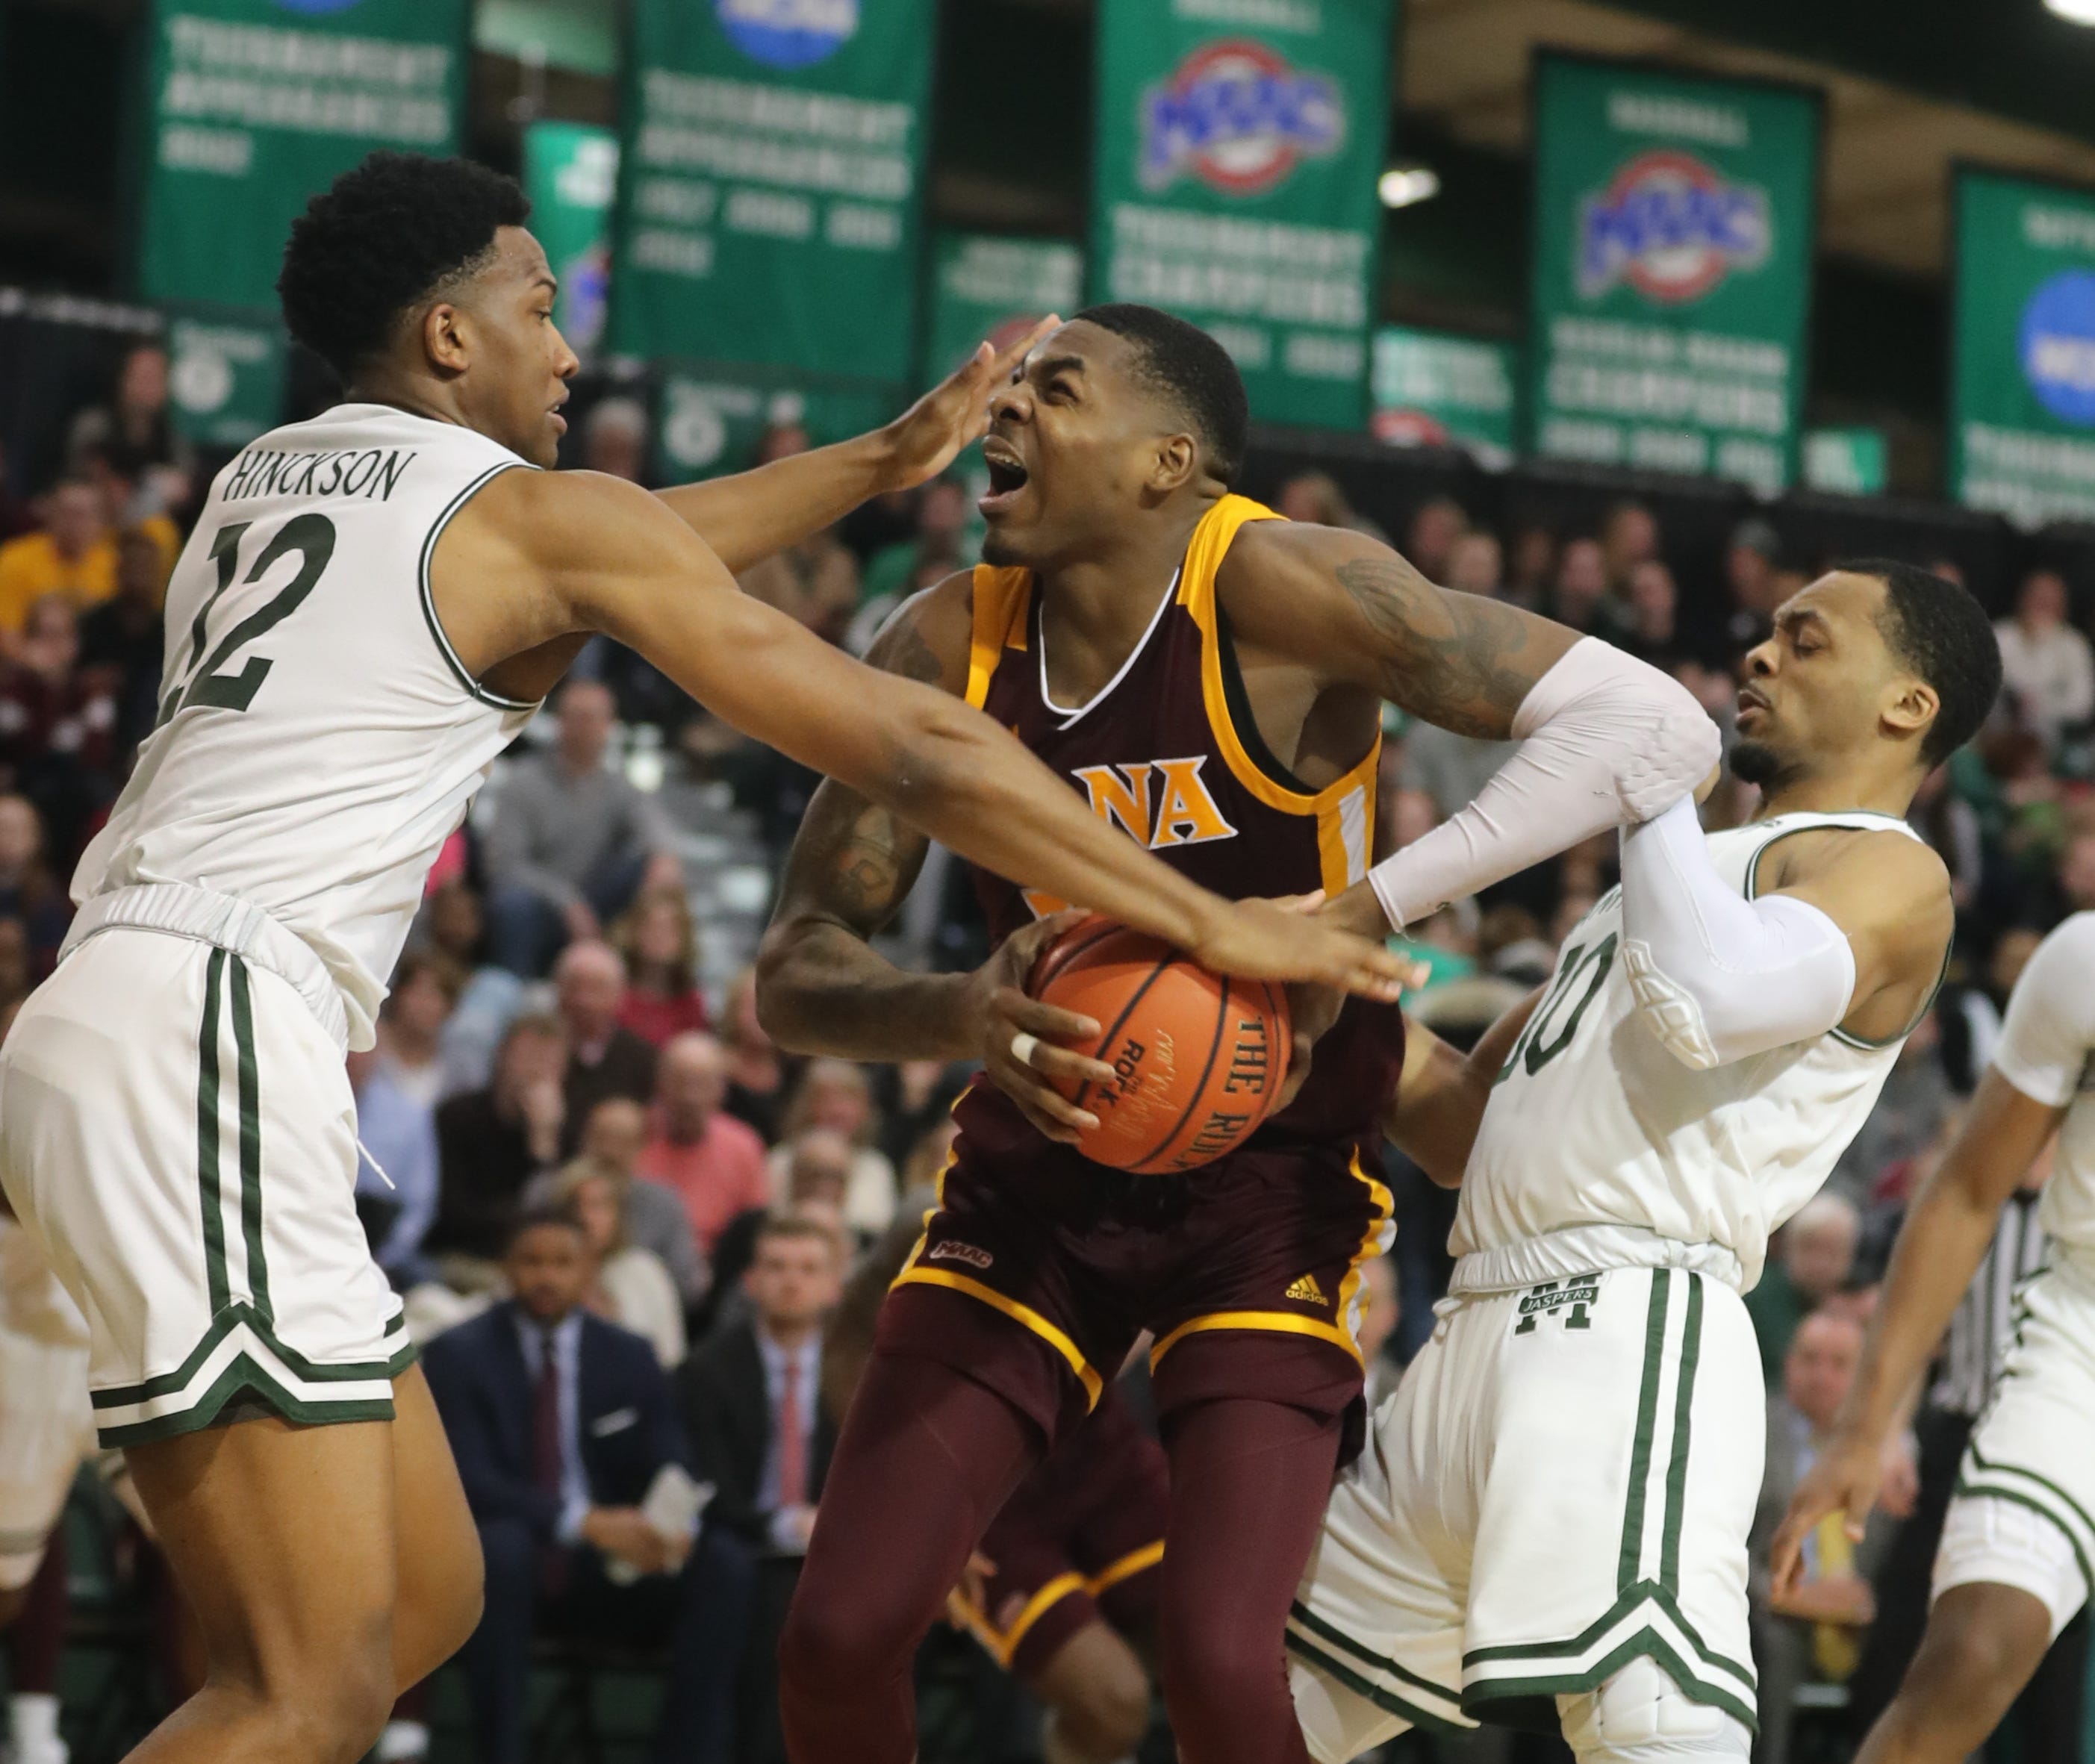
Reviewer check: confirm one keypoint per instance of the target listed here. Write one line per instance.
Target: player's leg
(35, 1643)
(926, 1457)
(1982, 1643)
(438, 1573)
(1640, 1716)
(1097, 1694)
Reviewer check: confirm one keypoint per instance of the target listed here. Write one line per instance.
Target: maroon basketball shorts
(1077, 1543)
(1262, 1250)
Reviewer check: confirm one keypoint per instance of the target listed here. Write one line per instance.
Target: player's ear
(443, 337)
(1177, 459)
(1911, 705)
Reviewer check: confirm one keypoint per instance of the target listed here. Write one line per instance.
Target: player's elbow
(784, 1003)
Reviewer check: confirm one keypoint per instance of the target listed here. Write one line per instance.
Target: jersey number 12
(209, 681)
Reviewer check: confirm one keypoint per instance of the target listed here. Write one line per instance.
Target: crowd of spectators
(618, 1213)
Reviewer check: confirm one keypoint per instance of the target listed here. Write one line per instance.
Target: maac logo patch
(1237, 117)
(1672, 228)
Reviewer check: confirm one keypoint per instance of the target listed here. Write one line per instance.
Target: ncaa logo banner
(1670, 271)
(1672, 228)
(1234, 152)
(1234, 115)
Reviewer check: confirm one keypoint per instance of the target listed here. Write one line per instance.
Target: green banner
(252, 105)
(1234, 164)
(2022, 416)
(571, 175)
(1674, 218)
(225, 377)
(1848, 462)
(984, 285)
(772, 183)
(1434, 390)
(707, 422)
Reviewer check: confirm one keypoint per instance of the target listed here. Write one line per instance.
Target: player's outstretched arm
(1606, 739)
(751, 515)
(578, 552)
(1944, 1240)
(1440, 1096)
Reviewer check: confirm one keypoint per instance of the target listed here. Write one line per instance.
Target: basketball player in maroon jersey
(1213, 678)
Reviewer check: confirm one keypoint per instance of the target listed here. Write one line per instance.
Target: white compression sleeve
(1718, 977)
(1603, 739)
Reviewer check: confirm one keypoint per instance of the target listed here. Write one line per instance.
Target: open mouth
(1750, 700)
(1008, 476)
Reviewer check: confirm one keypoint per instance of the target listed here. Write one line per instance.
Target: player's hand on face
(1845, 1480)
(924, 440)
(1005, 1023)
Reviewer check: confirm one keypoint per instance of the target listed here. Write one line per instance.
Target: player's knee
(828, 1642)
(1221, 1667)
(1640, 1716)
(1962, 1664)
(331, 1708)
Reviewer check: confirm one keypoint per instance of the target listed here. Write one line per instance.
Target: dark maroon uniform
(1267, 1243)
(1077, 1543)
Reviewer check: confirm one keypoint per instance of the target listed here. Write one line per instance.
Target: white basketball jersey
(2047, 1051)
(318, 740)
(1592, 1122)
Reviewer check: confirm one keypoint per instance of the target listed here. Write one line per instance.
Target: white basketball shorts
(2023, 1514)
(176, 1131)
(1563, 1483)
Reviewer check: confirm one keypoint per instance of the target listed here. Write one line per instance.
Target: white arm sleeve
(1605, 738)
(1715, 977)
(2050, 1035)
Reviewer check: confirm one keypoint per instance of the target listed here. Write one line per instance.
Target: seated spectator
(712, 1162)
(758, 1074)
(813, 1175)
(396, 1168)
(2047, 666)
(1530, 567)
(1436, 524)
(490, 1142)
(632, 1288)
(752, 1393)
(660, 946)
(124, 638)
(942, 522)
(455, 927)
(914, 1097)
(58, 726)
(1815, 1634)
(135, 431)
(571, 842)
(73, 555)
(604, 1058)
(1476, 563)
(816, 580)
(1651, 605)
(30, 895)
(1629, 536)
(1809, 1262)
(615, 439)
(563, 1425)
(411, 1024)
(1579, 598)
(1316, 497)
(837, 1094)
(653, 1216)
(1753, 589)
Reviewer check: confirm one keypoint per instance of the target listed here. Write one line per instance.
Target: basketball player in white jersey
(2014, 1565)
(1548, 1527)
(372, 605)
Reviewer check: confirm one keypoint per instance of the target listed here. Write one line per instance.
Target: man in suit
(560, 1423)
(759, 1431)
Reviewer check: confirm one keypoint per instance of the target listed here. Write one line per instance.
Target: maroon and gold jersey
(1269, 1237)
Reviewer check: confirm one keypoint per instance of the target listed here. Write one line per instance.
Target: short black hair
(381, 238)
(560, 1214)
(1191, 369)
(1937, 627)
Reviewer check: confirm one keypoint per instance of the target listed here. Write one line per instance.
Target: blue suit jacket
(627, 1412)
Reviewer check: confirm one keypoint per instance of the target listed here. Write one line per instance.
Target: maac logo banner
(1234, 174)
(1674, 221)
(771, 177)
(251, 106)
(2023, 387)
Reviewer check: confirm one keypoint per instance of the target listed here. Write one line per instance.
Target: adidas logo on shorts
(1306, 1292)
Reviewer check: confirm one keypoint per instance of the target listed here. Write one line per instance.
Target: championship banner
(1233, 181)
(707, 422)
(771, 185)
(1433, 389)
(226, 375)
(2023, 383)
(254, 105)
(1674, 221)
(571, 176)
(984, 285)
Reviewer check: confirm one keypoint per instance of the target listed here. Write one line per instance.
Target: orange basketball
(1201, 1057)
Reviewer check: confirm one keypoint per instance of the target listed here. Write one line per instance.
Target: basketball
(1199, 1056)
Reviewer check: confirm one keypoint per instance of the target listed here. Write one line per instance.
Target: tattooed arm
(1606, 739)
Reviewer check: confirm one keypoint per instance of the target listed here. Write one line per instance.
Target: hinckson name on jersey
(371, 473)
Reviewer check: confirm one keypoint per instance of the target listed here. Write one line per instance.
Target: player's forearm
(748, 516)
(822, 989)
(1440, 1101)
